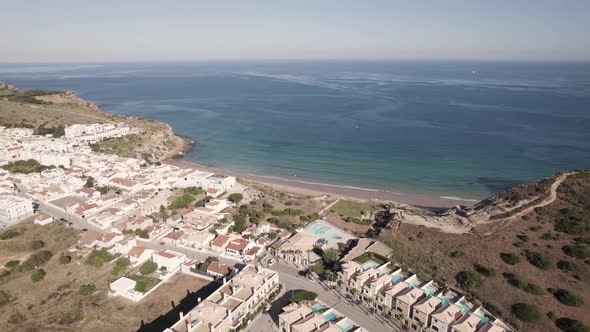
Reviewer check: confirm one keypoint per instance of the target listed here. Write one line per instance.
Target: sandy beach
(306, 188)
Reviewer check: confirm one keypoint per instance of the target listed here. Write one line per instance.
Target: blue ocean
(460, 129)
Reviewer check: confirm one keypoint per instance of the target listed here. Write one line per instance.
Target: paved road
(290, 279)
(288, 276)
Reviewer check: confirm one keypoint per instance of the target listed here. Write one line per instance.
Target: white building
(13, 209)
(228, 306)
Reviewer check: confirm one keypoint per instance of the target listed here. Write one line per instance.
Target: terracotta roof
(212, 191)
(219, 268)
(175, 235)
(165, 254)
(252, 251)
(238, 244)
(108, 237)
(220, 241)
(137, 251)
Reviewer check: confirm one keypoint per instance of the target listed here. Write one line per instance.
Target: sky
(109, 30)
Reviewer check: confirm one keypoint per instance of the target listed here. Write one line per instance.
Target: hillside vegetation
(540, 261)
(49, 112)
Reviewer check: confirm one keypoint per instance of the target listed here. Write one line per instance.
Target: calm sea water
(449, 129)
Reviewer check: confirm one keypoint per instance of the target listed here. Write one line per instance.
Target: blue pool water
(317, 307)
(324, 232)
(330, 316)
(345, 326)
(369, 265)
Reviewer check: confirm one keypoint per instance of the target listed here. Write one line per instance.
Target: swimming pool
(369, 265)
(324, 232)
(344, 325)
(330, 316)
(317, 307)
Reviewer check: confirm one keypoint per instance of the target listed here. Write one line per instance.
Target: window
(434, 328)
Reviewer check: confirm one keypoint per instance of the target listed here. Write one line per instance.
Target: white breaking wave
(454, 198)
(321, 184)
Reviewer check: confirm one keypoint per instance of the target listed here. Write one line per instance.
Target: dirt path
(503, 223)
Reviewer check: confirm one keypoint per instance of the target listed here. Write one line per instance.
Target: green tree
(236, 197)
(330, 257)
(89, 182)
(540, 260)
(64, 259)
(568, 298)
(528, 313)
(38, 275)
(468, 279)
(86, 290)
(571, 325)
(148, 268)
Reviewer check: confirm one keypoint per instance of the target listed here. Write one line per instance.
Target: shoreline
(306, 188)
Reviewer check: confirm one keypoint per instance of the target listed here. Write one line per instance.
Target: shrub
(468, 279)
(236, 197)
(484, 270)
(566, 266)
(539, 260)
(182, 202)
(97, 258)
(568, 298)
(9, 234)
(37, 244)
(571, 325)
(194, 191)
(456, 254)
(64, 259)
(140, 286)
(11, 264)
(38, 275)
(302, 295)
(37, 259)
(523, 237)
(517, 281)
(86, 290)
(142, 233)
(4, 298)
(148, 268)
(120, 265)
(528, 313)
(493, 309)
(510, 258)
(552, 315)
(550, 237)
(576, 251)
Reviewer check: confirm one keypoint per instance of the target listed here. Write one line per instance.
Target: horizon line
(501, 60)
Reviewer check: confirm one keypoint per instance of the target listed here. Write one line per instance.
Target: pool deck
(332, 230)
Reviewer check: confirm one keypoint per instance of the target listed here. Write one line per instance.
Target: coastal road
(289, 277)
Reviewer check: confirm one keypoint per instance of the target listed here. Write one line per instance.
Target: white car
(271, 262)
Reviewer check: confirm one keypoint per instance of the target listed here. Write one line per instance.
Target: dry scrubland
(545, 231)
(55, 303)
(47, 111)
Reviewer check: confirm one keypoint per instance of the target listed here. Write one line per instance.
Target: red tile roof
(220, 241)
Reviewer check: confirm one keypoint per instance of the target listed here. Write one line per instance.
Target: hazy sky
(106, 30)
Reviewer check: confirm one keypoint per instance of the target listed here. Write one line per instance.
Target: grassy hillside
(48, 112)
(542, 259)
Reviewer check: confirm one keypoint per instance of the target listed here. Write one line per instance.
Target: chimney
(198, 300)
(224, 280)
(181, 315)
(210, 327)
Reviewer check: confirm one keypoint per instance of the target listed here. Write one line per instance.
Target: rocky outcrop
(7, 86)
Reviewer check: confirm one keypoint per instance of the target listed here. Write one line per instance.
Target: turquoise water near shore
(452, 129)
